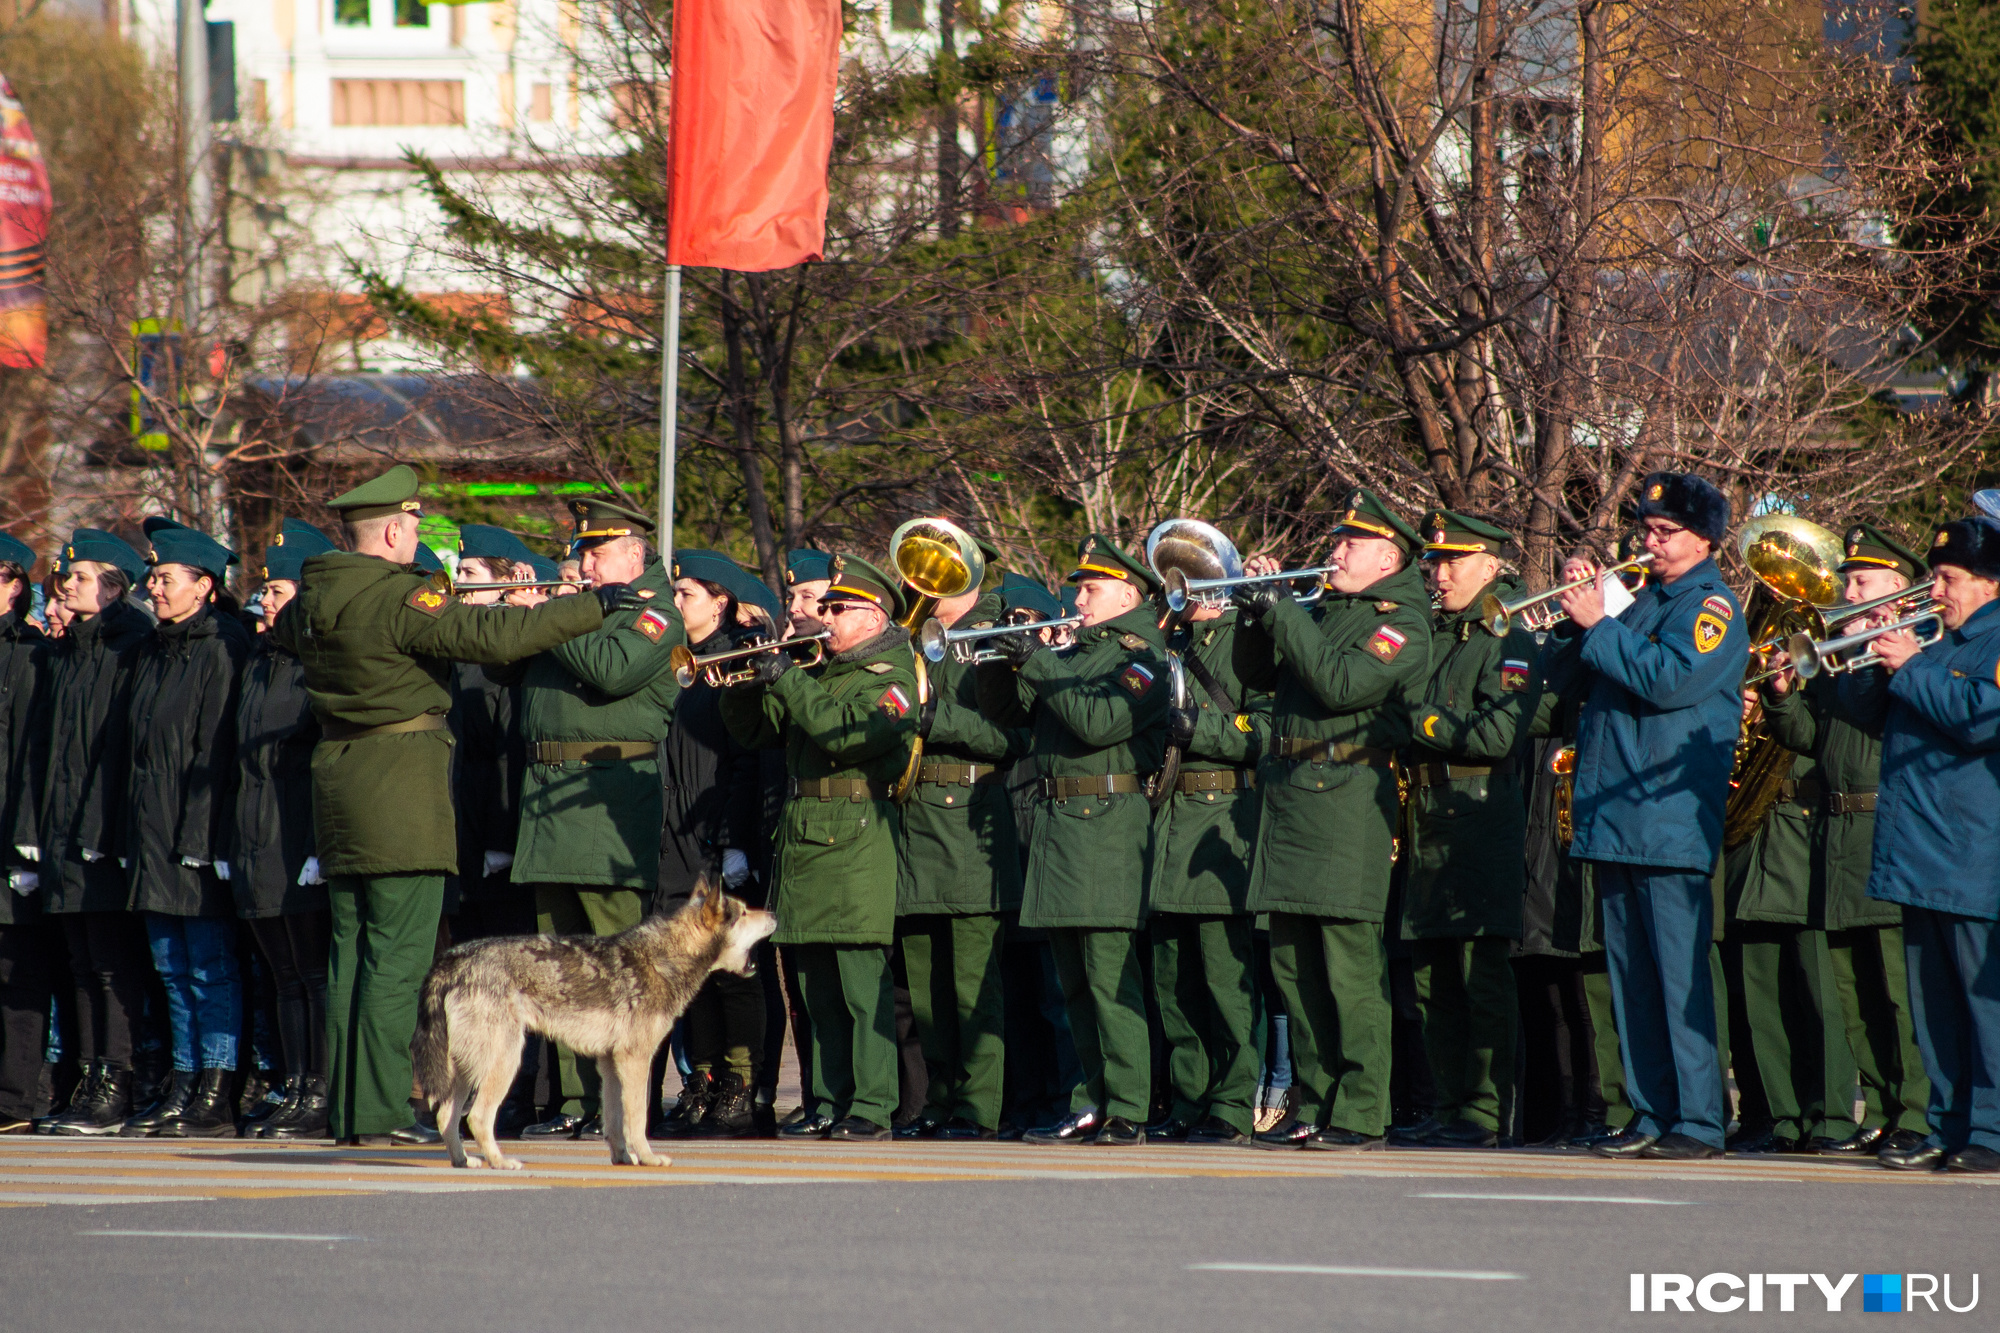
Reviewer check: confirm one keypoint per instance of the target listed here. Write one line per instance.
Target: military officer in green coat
(376, 639)
(1345, 672)
(593, 714)
(959, 881)
(1467, 876)
(1863, 936)
(845, 728)
(1098, 714)
(1204, 956)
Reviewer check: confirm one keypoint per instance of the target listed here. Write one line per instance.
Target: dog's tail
(430, 1047)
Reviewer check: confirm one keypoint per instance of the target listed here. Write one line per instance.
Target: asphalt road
(831, 1238)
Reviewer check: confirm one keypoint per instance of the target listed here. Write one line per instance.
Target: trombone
(1811, 658)
(937, 640)
(1498, 617)
(709, 667)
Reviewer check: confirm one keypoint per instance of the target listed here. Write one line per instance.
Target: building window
(398, 102)
(541, 102)
(351, 13)
(412, 14)
(384, 14)
(908, 15)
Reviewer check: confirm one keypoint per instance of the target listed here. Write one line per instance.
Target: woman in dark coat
(81, 749)
(30, 943)
(178, 825)
(274, 872)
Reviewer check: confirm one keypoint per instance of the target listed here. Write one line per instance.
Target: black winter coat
(275, 735)
(182, 783)
(486, 771)
(714, 794)
(23, 671)
(82, 747)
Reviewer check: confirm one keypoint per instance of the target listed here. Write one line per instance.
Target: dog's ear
(708, 893)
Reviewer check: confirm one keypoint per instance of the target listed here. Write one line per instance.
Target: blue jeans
(196, 959)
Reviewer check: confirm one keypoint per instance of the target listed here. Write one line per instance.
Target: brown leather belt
(1335, 752)
(1227, 779)
(1104, 784)
(840, 789)
(564, 752)
(1433, 775)
(335, 730)
(1807, 792)
(958, 775)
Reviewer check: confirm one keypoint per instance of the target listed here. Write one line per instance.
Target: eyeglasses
(1663, 531)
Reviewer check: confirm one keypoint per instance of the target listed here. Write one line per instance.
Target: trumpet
(937, 640)
(1180, 589)
(1810, 658)
(709, 668)
(1920, 607)
(1498, 617)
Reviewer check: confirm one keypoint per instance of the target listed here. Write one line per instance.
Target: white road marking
(92, 1199)
(1342, 1270)
(218, 1235)
(1558, 1198)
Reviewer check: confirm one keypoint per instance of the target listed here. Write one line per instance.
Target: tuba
(1797, 566)
(937, 559)
(1196, 564)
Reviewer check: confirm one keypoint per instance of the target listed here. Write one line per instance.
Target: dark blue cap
(1018, 592)
(483, 541)
(16, 551)
(297, 542)
(1069, 599)
(545, 568)
(427, 560)
(749, 588)
(708, 566)
(805, 566)
(178, 544)
(1972, 544)
(105, 548)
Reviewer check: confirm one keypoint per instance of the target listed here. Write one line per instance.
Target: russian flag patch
(1386, 642)
(894, 701)
(1138, 678)
(1721, 607)
(652, 624)
(1513, 676)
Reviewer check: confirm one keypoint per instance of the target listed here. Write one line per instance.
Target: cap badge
(1942, 538)
(1657, 491)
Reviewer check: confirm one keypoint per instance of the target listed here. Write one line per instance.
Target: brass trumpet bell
(1797, 560)
(938, 559)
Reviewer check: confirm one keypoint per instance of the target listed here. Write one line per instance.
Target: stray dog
(613, 997)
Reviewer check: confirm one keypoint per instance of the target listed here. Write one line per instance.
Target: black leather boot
(307, 1118)
(103, 1112)
(731, 1112)
(172, 1101)
(259, 1100)
(210, 1113)
(86, 1079)
(288, 1108)
(697, 1091)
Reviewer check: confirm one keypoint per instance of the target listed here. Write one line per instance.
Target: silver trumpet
(1180, 589)
(1498, 617)
(937, 640)
(1840, 615)
(1811, 658)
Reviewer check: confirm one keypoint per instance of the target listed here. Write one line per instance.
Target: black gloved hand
(926, 717)
(617, 597)
(1016, 649)
(1254, 599)
(1180, 726)
(770, 666)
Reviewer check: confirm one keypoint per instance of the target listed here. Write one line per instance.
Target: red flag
(24, 238)
(751, 132)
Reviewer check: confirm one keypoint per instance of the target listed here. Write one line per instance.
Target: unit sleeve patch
(427, 600)
(895, 701)
(1721, 607)
(1386, 642)
(653, 625)
(1708, 632)
(1138, 678)
(879, 668)
(1513, 675)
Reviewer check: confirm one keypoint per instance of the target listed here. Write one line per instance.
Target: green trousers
(1104, 995)
(1471, 1014)
(1870, 972)
(953, 967)
(1335, 980)
(1791, 1005)
(579, 909)
(1604, 1034)
(850, 995)
(1204, 980)
(722, 1028)
(384, 940)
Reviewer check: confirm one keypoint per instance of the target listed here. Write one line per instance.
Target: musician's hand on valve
(1585, 605)
(1261, 564)
(769, 666)
(1016, 649)
(1896, 649)
(1781, 684)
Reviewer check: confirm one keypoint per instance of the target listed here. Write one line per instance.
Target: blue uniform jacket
(1662, 710)
(1937, 819)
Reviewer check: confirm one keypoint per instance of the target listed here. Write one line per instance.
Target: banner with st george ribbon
(24, 237)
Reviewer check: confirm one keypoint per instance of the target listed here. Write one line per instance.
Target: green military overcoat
(1467, 869)
(1096, 709)
(960, 856)
(1205, 839)
(850, 719)
(1344, 671)
(596, 822)
(377, 642)
(1845, 758)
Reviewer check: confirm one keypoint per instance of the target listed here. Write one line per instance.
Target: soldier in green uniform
(1098, 714)
(846, 729)
(959, 880)
(1345, 672)
(377, 639)
(1467, 869)
(1863, 936)
(1204, 949)
(593, 714)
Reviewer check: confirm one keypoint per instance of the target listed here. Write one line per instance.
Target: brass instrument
(936, 640)
(1797, 566)
(443, 582)
(1811, 658)
(709, 666)
(1197, 552)
(1498, 617)
(936, 559)
(1920, 608)
(1563, 764)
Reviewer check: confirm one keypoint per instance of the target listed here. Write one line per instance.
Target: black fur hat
(1973, 544)
(1684, 498)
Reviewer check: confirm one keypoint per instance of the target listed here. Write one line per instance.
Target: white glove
(89, 855)
(23, 882)
(222, 871)
(735, 867)
(498, 861)
(28, 853)
(310, 874)
(123, 864)
(192, 863)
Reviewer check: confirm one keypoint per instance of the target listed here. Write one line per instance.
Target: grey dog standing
(612, 997)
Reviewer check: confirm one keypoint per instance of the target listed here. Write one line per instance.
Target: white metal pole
(670, 383)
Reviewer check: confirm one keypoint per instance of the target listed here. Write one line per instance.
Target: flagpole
(670, 385)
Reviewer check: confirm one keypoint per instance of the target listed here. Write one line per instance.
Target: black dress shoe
(923, 1127)
(14, 1124)
(1972, 1158)
(1746, 1131)
(1080, 1127)
(561, 1125)
(1861, 1143)
(1346, 1140)
(1213, 1131)
(1817, 1145)
(1768, 1141)
(1118, 1132)
(415, 1135)
(1627, 1143)
(1171, 1130)
(590, 1127)
(1922, 1155)
(1417, 1133)
(857, 1129)
(1012, 1132)
(812, 1126)
(1291, 1132)
(1903, 1140)
(1462, 1134)
(1592, 1131)
(960, 1130)
(1680, 1148)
